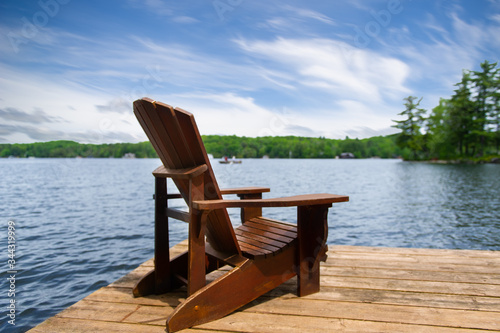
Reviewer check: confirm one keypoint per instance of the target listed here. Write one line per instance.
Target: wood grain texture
(363, 289)
(187, 173)
(296, 200)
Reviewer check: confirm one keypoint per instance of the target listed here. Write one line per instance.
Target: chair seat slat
(277, 224)
(263, 239)
(269, 236)
(261, 245)
(257, 225)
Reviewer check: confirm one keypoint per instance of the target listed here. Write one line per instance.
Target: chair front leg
(196, 242)
(196, 252)
(312, 233)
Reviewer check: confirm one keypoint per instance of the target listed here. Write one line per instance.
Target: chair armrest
(293, 201)
(245, 190)
(188, 173)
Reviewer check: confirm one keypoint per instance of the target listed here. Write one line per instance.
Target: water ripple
(83, 224)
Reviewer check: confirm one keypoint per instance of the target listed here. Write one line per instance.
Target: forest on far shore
(219, 146)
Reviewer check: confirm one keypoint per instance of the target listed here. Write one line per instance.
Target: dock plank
(471, 289)
(65, 325)
(272, 323)
(414, 251)
(408, 260)
(363, 289)
(391, 263)
(382, 313)
(407, 274)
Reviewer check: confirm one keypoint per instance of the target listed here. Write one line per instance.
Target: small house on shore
(347, 155)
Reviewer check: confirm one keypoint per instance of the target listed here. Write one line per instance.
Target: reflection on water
(83, 223)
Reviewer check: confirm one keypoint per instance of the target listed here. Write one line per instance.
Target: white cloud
(468, 36)
(437, 63)
(334, 66)
(185, 19)
(280, 23)
(70, 111)
(295, 21)
(224, 113)
(310, 14)
(229, 114)
(495, 17)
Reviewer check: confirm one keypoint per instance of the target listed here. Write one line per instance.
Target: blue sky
(70, 69)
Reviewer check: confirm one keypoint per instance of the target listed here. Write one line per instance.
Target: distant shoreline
(241, 147)
(494, 160)
(485, 160)
(219, 146)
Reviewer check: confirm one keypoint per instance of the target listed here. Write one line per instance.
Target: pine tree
(484, 88)
(461, 116)
(438, 131)
(411, 135)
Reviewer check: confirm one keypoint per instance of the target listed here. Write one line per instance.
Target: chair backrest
(175, 137)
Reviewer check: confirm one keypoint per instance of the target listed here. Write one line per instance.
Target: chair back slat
(219, 219)
(175, 137)
(160, 139)
(141, 114)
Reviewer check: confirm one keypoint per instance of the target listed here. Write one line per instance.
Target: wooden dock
(363, 289)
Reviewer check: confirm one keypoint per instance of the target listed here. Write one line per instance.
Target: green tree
(495, 114)
(461, 115)
(411, 136)
(485, 89)
(490, 80)
(438, 132)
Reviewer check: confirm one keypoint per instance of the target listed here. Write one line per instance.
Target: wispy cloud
(294, 20)
(436, 63)
(164, 9)
(299, 130)
(185, 19)
(42, 133)
(309, 14)
(158, 7)
(495, 4)
(216, 113)
(469, 36)
(16, 115)
(333, 66)
(115, 105)
(495, 17)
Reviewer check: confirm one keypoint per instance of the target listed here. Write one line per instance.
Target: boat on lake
(226, 160)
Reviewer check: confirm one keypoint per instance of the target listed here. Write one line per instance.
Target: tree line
(464, 126)
(300, 147)
(219, 146)
(75, 149)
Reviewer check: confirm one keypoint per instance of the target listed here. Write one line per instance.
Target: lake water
(83, 223)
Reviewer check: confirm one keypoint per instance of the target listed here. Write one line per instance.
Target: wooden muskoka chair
(264, 253)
